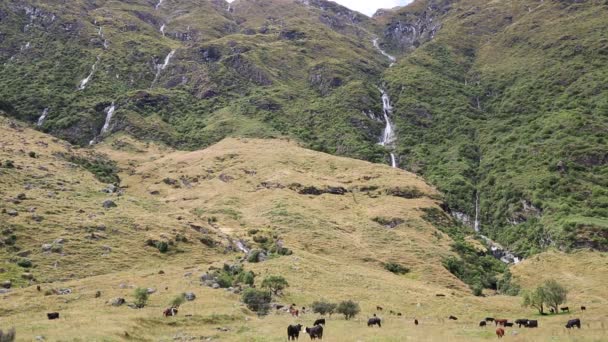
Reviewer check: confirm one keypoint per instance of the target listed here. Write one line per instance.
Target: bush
(25, 263)
(246, 278)
(162, 246)
(324, 308)
(276, 284)
(348, 308)
(178, 300)
(257, 300)
(396, 268)
(9, 164)
(254, 256)
(207, 241)
(141, 297)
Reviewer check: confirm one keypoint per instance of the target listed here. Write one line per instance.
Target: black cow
(398, 313)
(415, 321)
(583, 308)
(320, 321)
(508, 324)
(315, 332)
(52, 315)
(532, 324)
(489, 319)
(521, 321)
(293, 332)
(454, 318)
(482, 323)
(379, 308)
(574, 323)
(373, 321)
(565, 308)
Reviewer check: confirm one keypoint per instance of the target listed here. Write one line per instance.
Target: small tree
(256, 300)
(535, 299)
(555, 294)
(323, 308)
(276, 284)
(178, 300)
(348, 308)
(141, 297)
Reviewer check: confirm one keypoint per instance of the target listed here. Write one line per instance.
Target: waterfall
(103, 37)
(160, 2)
(161, 67)
(477, 224)
(85, 81)
(162, 29)
(388, 135)
(109, 113)
(42, 117)
(384, 53)
(499, 252)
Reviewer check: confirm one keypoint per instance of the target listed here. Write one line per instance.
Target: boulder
(109, 204)
(215, 285)
(7, 284)
(117, 301)
(151, 290)
(12, 212)
(190, 296)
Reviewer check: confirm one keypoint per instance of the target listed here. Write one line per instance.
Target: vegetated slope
(508, 104)
(190, 72)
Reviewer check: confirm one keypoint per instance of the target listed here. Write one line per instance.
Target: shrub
(276, 284)
(348, 308)
(162, 246)
(257, 300)
(178, 300)
(396, 268)
(246, 278)
(25, 263)
(207, 241)
(9, 164)
(324, 308)
(141, 297)
(254, 256)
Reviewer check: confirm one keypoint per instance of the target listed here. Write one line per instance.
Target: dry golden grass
(338, 248)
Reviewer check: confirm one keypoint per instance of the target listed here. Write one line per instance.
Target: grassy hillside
(201, 203)
(507, 104)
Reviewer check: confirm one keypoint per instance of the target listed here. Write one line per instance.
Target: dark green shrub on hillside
(232, 275)
(25, 263)
(141, 297)
(257, 300)
(396, 268)
(8, 164)
(323, 307)
(105, 171)
(162, 246)
(348, 308)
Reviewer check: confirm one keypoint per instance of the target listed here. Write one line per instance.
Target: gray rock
(206, 277)
(21, 197)
(4, 291)
(37, 218)
(117, 301)
(59, 241)
(12, 212)
(215, 285)
(151, 290)
(7, 284)
(190, 296)
(65, 291)
(109, 204)
(110, 189)
(28, 276)
(188, 274)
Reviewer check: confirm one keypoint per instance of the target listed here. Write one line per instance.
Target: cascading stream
(106, 126)
(477, 224)
(161, 67)
(85, 81)
(42, 117)
(160, 2)
(388, 135)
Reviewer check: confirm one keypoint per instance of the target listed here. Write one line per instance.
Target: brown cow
(500, 332)
(172, 311)
(500, 321)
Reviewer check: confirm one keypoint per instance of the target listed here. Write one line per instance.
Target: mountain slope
(507, 105)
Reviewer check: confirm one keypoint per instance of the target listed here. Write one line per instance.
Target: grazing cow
(398, 313)
(500, 321)
(315, 332)
(97, 294)
(293, 332)
(38, 288)
(583, 308)
(415, 321)
(508, 324)
(294, 312)
(565, 308)
(379, 308)
(454, 318)
(532, 324)
(500, 332)
(172, 311)
(521, 321)
(373, 321)
(574, 323)
(482, 323)
(489, 319)
(320, 321)
(52, 315)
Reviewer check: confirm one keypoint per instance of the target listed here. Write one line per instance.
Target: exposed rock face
(411, 28)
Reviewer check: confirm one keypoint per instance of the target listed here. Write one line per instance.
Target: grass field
(225, 192)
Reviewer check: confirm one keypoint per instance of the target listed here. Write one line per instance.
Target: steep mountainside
(190, 72)
(500, 105)
(505, 110)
